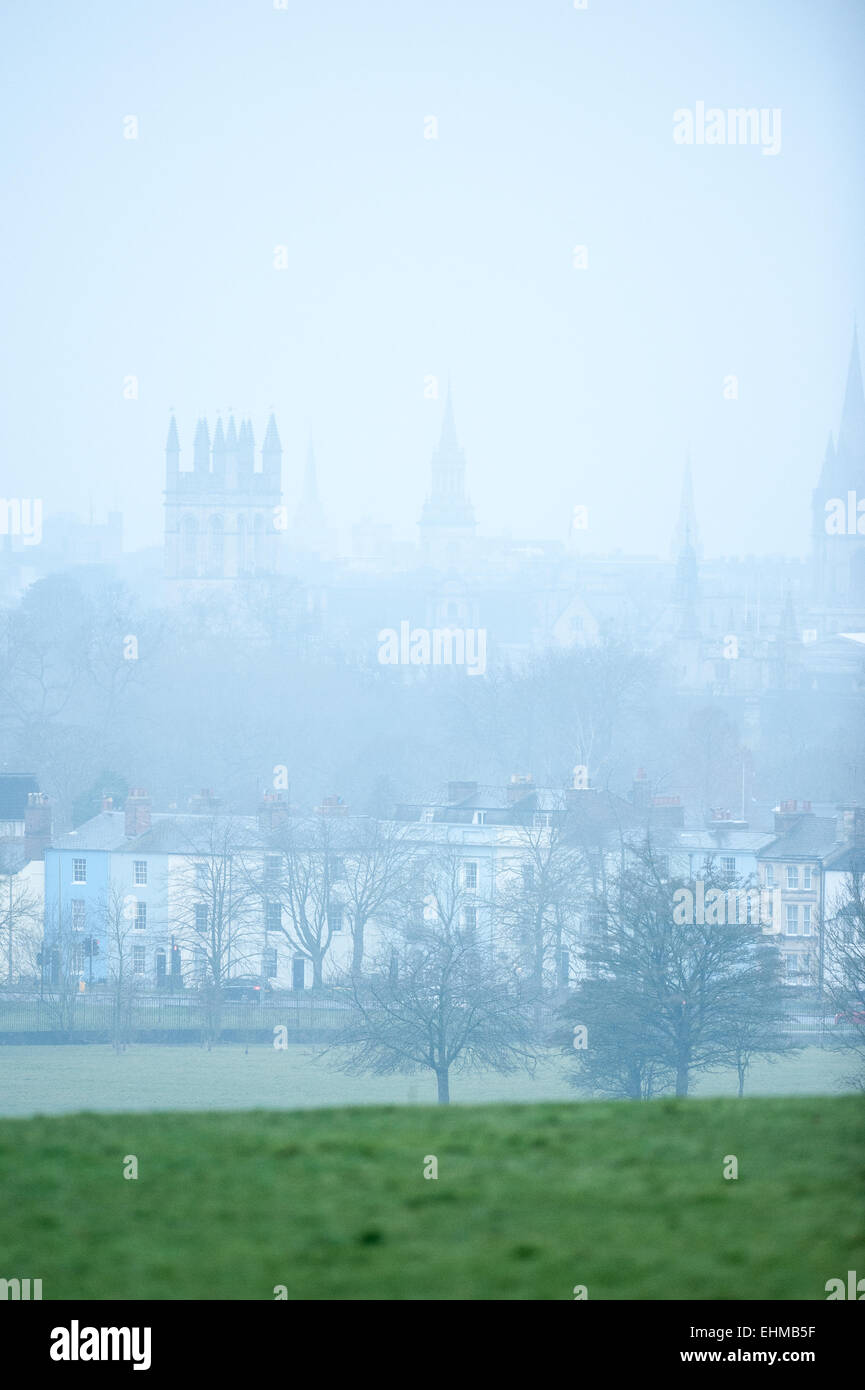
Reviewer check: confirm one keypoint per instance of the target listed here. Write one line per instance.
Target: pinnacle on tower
(218, 450)
(201, 448)
(271, 449)
(172, 443)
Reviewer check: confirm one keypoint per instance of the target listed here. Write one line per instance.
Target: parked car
(854, 1016)
(248, 988)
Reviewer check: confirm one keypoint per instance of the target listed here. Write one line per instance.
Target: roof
(849, 859)
(808, 836)
(14, 789)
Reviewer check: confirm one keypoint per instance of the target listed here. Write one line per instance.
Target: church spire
(448, 442)
(686, 534)
(851, 434)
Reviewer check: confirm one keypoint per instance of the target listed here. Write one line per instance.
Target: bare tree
(116, 912)
(216, 911)
(311, 866)
(20, 913)
(376, 879)
(844, 969)
(437, 1001)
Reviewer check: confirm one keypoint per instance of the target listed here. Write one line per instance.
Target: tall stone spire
(851, 434)
(447, 522)
(310, 527)
(686, 533)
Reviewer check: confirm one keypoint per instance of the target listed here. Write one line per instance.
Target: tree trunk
(317, 976)
(443, 1086)
(357, 949)
(682, 1077)
(742, 1068)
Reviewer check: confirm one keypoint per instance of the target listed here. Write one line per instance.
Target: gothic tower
(221, 517)
(447, 522)
(838, 512)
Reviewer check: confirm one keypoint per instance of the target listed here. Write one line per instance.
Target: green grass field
(52, 1080)
(626, 1199)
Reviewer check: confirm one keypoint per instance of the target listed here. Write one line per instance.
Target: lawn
(626, 1199)
(55, 1079)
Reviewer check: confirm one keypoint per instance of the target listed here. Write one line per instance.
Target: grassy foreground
(624, 1198)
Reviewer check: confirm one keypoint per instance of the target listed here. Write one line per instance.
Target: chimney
(107, 802)
(206, 803)
(667, 811)
(519, 787)
(787, 813)
(332, 806)
(640, 790)
(273, 811)
(460, 791)
(137, 812)
(37, 825)
(852, 825)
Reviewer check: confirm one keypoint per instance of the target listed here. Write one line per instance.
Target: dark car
(248, 988)
(855, 1016)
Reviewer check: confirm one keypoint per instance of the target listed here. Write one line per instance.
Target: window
(479, 818)
(201, 916)
(792, 920)
(470, 920)
(470, 876)
(806, 920)
(139, 959)
(770, 875)
(272, 866)
(79, 914)
(269, 963)
(543, 820)
(79, 955)
(139, 871)
(428, 816)
(79, 870)
(337, 869)
(728, 867)
(272, 917)
(335, 915)
(806, 876)
(792, 876)
(140, 916)
(201, 875)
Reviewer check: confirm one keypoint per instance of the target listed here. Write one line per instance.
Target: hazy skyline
(453, 256)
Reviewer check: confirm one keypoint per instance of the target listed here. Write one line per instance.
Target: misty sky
(304, 127)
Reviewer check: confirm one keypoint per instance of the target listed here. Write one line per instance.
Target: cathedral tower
(221, 517)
